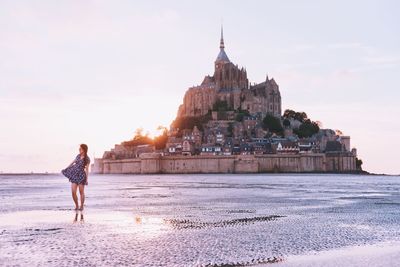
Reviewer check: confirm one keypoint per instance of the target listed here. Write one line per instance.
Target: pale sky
(92, 72)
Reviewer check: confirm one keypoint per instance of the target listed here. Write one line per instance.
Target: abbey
(230, 84)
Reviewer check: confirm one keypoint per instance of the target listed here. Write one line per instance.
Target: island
(229, 125)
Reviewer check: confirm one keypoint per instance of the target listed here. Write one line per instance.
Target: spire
(222, 57)
(221, 43)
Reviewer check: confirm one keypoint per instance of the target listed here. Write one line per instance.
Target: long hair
(85, 150)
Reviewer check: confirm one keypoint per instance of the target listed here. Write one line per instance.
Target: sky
(92, 72)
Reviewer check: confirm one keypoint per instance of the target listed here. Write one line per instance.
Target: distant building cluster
(216, 141)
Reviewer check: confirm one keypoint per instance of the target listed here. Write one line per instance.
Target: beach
(202, 220)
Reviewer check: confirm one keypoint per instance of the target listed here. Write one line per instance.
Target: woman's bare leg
(74, 196)
(82, 193)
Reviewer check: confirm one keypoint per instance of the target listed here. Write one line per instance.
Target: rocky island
(229, 125)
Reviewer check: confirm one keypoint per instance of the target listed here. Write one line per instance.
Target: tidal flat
(202, 220)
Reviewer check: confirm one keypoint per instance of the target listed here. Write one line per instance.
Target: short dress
(76, 171)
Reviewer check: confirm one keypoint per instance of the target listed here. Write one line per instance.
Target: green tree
(139, 139)
(272, 124)
(291, 114)
(189, 122)
(307, 129)
(240, 114)
(161, 140)
(286, 122)
(359, 163)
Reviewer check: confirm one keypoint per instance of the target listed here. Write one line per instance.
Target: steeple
(222, 57)
(221, 43)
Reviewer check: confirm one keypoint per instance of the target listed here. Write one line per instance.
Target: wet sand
(382, 254)
(202, 220)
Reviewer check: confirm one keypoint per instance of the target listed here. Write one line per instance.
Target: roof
(333, 146)
(222, 57)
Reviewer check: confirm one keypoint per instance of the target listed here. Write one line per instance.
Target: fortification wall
(292, 163)
(155, 163)
(340, 163)
(119, 166)
(197, 164)
(246, 164)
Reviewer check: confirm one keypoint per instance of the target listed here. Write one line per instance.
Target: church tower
(226, 74)
(229, 83)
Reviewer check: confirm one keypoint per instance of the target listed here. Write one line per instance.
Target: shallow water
(201, 220)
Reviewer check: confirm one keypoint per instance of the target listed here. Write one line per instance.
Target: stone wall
(197, 101)
(296, 163)
(119, 166)
(340, 163)
(197, 164)
(246, 164)
(292, 163)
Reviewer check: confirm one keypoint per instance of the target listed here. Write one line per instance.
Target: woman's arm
(87, 174)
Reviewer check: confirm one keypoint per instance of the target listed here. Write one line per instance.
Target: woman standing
(78, 173)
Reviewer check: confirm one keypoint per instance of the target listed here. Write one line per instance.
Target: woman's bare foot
(76, 208)
(81, 207)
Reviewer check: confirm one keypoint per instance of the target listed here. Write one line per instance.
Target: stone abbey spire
(222, 57)
(221, 43)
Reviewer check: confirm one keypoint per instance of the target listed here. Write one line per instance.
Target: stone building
(230, 83)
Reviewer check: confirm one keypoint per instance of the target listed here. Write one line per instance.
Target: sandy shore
(382, 254)
(202, 220)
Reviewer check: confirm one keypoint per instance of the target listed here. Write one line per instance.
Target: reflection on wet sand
(144, 226)
(77, 213)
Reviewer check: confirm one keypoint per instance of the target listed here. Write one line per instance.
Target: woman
(77, 173)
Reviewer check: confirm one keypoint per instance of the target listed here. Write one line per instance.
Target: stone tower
(226, 74)
(230, 83)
